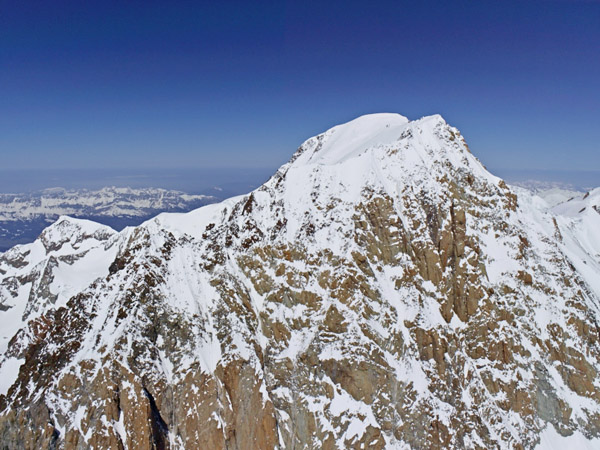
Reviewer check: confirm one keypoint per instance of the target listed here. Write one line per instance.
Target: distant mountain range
(24, 216)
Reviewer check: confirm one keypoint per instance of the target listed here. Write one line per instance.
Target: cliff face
(381, 290)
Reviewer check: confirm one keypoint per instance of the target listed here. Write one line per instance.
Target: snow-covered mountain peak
(72, 230)
(386, 142)
(350, 139)
(381, 290)
(383, 153)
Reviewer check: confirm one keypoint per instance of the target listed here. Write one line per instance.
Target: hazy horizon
(191, 181)
(228, 180)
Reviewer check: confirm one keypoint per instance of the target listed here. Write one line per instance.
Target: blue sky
(241, 84)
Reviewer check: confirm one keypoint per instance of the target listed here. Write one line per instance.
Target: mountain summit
(381, 290)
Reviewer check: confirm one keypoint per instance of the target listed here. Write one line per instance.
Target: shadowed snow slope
(381, 290)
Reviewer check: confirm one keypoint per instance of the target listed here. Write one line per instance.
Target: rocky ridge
(381, 290)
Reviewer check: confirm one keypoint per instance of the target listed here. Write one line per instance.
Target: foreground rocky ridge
(381, 290)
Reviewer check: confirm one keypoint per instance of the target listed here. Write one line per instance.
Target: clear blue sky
(151, 84)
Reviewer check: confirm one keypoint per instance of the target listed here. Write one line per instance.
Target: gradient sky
(105, 84)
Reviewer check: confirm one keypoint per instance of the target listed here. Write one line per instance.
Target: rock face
(381, 290)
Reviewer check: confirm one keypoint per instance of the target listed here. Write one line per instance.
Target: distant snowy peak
(64, 260)
(581, 216)
(552, 192)
(556, 196)
(582, 203)
(73, 231)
